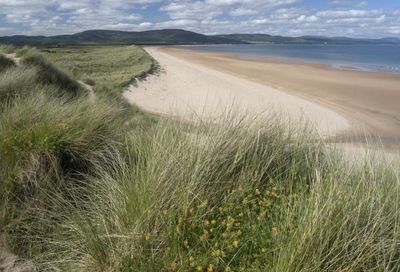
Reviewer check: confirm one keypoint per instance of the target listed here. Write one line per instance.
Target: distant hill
(265, 39)
(110, 37)
(178, 37)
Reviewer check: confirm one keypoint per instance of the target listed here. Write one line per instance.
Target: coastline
(329, 64)
(187, 88)
(369, 100)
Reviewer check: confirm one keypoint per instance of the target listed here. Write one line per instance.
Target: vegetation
(113, 67)
(113, 37)
(89, 184)
(5, 63)
(177, 37)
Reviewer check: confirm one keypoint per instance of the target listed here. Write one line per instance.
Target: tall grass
(232, 197)
(49, 74)
(111, 67)
(88, 184)
(5, 63)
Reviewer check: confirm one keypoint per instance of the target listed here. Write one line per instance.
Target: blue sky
(356, 18)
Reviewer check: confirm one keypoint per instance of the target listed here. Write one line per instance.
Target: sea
(372, 58)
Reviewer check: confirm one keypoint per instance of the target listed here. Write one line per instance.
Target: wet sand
(370, 101)
(191, 85)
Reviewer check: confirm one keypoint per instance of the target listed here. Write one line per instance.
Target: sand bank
(370, 101)
(192, 83)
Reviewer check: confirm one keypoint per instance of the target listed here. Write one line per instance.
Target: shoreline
(186, 87)
(287, 60)
(368, 100)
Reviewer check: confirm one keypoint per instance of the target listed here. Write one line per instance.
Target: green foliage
(48, 74)
(112, 67)
(5, 63)
(207, 197)
(7, 49)
(18, 82)
(89, 183)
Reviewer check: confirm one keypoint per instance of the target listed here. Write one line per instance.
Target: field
(88, 183)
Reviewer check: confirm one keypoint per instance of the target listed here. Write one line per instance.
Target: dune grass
(112, 66)
(89, 184)
(5, 63)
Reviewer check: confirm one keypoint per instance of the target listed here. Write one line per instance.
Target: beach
(337, 102)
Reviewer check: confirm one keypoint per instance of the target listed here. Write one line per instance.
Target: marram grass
(88, 184)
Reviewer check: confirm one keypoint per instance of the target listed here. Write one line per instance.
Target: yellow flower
(258, 192)
(218, 253)
(213, 222)
(274, 231)
(210, 268)
(191, 259)
(235, 243)
(199, 268)
(186, 243)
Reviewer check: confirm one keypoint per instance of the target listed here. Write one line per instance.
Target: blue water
(381, 58)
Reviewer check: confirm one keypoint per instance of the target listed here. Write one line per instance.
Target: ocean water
(374, 58)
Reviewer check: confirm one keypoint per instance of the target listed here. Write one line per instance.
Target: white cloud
(242, 12)
(284, 17)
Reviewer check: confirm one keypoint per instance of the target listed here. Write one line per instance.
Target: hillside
(111, 37)
(265, 38)
(177, 37)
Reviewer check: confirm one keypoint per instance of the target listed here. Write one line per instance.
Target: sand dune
(185, 88)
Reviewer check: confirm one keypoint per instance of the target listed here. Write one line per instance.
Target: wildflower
(213, 222)
(210, 268)
(199, 268)
(218, 253)
(235, 243)
(258, 192)
(186, 243)
(263, 250)
(191, 259)
(274, 231)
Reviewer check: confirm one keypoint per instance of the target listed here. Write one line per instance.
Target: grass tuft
(5, 63)
(49, 74)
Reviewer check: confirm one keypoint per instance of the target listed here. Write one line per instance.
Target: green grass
(115, 66)
(91, 184)
(5, 63)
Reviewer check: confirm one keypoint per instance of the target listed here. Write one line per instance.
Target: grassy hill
(266, 39)
(110, 37)
(177, 37)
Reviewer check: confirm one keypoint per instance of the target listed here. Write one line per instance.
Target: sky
(353, 18)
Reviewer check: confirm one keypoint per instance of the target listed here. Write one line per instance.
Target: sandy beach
(188, 88)
(337, 102)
